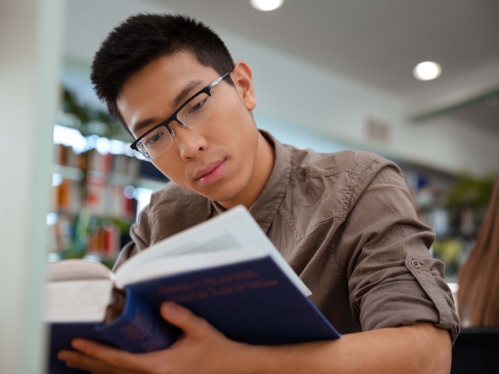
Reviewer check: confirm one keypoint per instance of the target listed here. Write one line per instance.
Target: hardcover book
(225, 270)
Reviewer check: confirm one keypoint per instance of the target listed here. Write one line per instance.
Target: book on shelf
(60, 234)
(65, 156)
(105, 165)
(108, 200)
(103, 199)
(95, 161)
(113, 164)
(67, 196)
(105, 241)
(225, 270)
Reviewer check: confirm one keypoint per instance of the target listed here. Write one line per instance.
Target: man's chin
(223, 193)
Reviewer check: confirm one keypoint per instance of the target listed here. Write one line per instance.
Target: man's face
(217, 158)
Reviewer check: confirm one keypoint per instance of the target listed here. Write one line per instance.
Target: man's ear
(242, 78)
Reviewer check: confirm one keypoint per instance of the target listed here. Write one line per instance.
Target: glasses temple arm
(218, 80)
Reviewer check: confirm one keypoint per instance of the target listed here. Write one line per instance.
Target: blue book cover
(251, 301)
(61, 335)
(140, 328)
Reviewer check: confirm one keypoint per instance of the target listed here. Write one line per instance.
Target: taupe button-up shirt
(346, 224)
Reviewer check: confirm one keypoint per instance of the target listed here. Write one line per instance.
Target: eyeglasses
(190, 114)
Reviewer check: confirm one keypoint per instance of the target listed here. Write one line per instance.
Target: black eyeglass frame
(173, 117)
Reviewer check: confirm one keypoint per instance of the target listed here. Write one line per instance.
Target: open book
(225, 270)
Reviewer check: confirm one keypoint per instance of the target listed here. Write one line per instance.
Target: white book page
(184, 263)
(232, 230)
(70, 270)
(77, 301)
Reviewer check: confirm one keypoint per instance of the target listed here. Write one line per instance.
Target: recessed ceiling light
(266, 5)
(426, 71)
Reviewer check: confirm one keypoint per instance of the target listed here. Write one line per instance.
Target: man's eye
(197, 106)
(153, 139)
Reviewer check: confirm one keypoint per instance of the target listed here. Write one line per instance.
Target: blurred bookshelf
(95, 199)
(99, 185)
(454, 205)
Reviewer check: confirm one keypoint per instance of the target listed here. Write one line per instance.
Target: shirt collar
(266, 206)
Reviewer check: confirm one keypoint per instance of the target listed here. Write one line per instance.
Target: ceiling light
(266, 5)
(426, 71)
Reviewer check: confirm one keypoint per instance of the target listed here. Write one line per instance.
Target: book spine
(140, 328)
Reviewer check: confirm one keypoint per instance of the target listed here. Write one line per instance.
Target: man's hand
(201, 349)
(420, 348)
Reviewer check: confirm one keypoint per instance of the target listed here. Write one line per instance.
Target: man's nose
(190, 142)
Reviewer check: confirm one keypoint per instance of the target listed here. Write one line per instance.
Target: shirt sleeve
(141, 237)
(392, 278)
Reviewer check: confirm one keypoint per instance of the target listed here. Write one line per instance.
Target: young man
(345, 222)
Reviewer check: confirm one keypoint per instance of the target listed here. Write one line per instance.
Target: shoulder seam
(347, 196)
(355, 181)
(349, 169)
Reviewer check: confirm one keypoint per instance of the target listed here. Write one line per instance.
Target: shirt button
(415, 264)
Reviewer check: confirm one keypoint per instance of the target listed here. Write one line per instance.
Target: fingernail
(169, 308)
(62, 356)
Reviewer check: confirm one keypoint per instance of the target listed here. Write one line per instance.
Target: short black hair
(141, 39)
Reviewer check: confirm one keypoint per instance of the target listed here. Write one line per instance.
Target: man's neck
(262, 169)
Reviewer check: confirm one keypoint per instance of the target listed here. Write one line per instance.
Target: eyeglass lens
(197, 111)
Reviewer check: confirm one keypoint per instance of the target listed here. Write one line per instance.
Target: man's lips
(211, 172)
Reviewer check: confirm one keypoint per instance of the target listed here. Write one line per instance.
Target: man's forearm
(421, 348)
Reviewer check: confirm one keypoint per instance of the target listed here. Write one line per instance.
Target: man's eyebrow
(143, 124)
(175, 103)
(179, 99)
